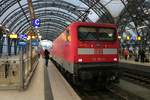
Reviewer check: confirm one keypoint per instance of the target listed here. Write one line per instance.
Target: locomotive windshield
(95, 33)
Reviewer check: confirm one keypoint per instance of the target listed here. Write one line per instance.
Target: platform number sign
(22, 43)
(36, 23)
(22, 39)
(23, 36)
(35, 42)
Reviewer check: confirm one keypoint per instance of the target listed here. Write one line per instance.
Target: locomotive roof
(93, 24)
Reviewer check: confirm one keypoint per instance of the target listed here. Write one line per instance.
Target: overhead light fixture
(141, 27)
(40, 36)
(134, 15)
(138, 38)
(7, 29)
(119, 37)
(4, 35)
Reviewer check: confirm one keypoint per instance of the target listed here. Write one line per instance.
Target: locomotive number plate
(98, 51)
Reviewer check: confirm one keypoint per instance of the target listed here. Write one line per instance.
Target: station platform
(131, 61)
(133, 65)
(61, 90)
(46, 84)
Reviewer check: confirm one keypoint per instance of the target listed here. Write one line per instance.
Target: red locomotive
(87, 50)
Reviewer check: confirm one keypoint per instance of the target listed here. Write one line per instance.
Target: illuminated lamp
(39, 36)
(128, 37)
(138, 38)
(68, 38)
(29, 37)
(119, 37)
(115, 59)
(80, 60)
(33, 37)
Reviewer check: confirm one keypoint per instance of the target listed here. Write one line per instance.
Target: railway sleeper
(137, 77)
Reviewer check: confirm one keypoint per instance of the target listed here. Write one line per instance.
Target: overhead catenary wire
(18, 1)
(97, 2)
(88, 10)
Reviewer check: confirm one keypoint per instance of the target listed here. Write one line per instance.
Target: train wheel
(68, 77)
(75, 80)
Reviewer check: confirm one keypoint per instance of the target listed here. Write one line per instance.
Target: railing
(9, 73)
(29, 70)
(15, 69)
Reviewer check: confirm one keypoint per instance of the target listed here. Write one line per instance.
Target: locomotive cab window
(106, 34)
(96, 33)
(87, 33)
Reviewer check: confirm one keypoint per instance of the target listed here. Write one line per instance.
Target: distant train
(44, 44)
(88, 50)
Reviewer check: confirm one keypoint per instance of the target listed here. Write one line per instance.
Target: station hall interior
(96, 49)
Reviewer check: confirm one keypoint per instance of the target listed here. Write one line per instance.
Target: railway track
(139, 78)
(114, 93)
(97, 93)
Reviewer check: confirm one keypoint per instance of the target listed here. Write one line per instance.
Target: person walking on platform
(46, 54)
(126, 53)
(142, 55)
(136, 53)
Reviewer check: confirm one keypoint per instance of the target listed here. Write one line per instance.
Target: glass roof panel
(114, 6)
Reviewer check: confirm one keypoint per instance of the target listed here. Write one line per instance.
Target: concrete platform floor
(134, 62)
(60, 87)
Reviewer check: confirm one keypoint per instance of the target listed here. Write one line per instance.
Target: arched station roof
(54, 14)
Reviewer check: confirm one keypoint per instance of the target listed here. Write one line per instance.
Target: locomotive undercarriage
(100, 73)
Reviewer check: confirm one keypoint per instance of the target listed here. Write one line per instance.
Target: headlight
(115, 59)
(80, 60)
